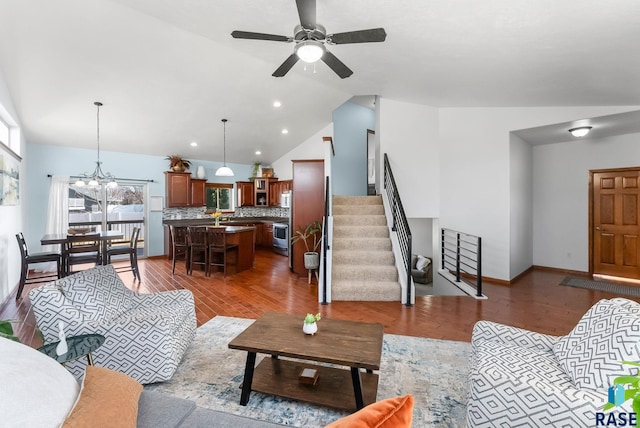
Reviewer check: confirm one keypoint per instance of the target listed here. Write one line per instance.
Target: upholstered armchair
(421, 269)
(146, 334)
(523, 378)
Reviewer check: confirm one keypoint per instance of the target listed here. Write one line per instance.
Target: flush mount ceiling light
(580, 131)
(97, 177)
(277, 104)
(310, 51)
(224, 170)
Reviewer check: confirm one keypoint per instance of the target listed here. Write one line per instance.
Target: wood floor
(535, 301)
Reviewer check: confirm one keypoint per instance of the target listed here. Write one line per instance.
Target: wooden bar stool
(217, 248)
(197, 242)
(179, 246)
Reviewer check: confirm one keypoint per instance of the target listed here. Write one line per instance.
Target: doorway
(371, 162)
(614, 222)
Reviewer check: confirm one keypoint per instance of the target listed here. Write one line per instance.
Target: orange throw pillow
(390, 413)
(107, 399)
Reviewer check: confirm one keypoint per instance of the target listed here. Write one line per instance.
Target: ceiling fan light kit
(310, 39)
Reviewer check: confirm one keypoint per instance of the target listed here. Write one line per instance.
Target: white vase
(309, 328)
(311, 260)
(200, 173)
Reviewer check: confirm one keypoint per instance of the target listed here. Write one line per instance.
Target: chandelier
(97, 177)
(224, 170)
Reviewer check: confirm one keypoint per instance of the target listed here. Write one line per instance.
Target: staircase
(363, 261)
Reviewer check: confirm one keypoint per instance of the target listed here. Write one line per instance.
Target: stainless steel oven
(281, 238)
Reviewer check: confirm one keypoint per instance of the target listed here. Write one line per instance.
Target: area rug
(433, 371)
(609, 287)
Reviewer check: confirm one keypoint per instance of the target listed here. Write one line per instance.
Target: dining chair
(81, 249)
(33, 258)
(179, 246)
(131, 249)
(217, 249)
(197, 243)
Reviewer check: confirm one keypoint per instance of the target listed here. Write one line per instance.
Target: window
(219, 197)
(4, 133)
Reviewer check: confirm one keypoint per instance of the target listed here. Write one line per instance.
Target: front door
(615, 222)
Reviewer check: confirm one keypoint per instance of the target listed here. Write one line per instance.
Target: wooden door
(615, 215)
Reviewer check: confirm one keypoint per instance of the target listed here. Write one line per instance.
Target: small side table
(79, 346)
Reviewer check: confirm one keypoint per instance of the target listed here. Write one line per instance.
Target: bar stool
(81, 249)
(131, 250)
(197, 242)
(179, 246)
(28, 259)
(217, 245)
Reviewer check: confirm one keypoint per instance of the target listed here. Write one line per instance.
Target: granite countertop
(205, 220)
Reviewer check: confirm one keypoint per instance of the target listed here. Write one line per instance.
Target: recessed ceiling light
(285, 131)
(277, 103)
(258, 152)
(194, 144)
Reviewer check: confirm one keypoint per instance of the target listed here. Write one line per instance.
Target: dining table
(105, 236)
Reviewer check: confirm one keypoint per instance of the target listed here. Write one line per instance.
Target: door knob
(600, 229)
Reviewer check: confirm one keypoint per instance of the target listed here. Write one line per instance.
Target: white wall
(311, 148)
(521, 204)
(561, 198)
(12, 218)
(408, 134)
(421, 236)
(475, 167)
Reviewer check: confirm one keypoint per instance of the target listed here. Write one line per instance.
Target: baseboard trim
(559, 270)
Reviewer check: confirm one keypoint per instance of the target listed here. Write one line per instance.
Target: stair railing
(325, 239)
(400, 224)
(462, 254)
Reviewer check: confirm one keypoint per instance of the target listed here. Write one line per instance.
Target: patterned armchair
(146, 334)
(527, 379)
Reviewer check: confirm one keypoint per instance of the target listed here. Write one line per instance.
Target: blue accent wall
(349, 166)
(57, 160)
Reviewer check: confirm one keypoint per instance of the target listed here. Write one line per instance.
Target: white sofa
(527, 379)
(146, 334)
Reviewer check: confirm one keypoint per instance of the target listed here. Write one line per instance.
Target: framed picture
(267, 172)
(9, 176)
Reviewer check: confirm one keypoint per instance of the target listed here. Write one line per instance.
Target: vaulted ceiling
(168, 71)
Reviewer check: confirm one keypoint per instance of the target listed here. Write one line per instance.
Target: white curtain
(57, 214)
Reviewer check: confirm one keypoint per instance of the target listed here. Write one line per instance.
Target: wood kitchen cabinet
(267, 234)
(245, 193)
(261, 192)
(198, 192)
(274, 193)
(178, 189)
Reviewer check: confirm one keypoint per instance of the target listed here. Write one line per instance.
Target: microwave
(285, 200)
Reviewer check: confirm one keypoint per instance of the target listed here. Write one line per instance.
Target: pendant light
(224, 170)
(97, 177)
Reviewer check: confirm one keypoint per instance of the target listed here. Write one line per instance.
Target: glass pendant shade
(310, 51)
(224, 170)
(580, 131)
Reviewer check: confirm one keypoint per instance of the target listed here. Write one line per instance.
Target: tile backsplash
(199, 212)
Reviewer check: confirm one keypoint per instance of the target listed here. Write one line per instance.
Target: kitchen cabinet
(245, 193)
(267, 234)
(178, 189)
(308, 203)
(261, 191)
(198, 192)
(274, 193)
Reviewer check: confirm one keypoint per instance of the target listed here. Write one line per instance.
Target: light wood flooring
(535, 301)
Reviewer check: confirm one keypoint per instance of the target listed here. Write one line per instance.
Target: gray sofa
(157, 410)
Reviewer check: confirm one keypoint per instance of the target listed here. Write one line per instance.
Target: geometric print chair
(146, 335)
(527, 379)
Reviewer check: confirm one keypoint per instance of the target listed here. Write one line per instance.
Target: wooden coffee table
(356, 345)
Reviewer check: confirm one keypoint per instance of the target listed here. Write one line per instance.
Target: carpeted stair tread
(361, 231)
(349, 257)
(371, 273)
(357, 290)
(357, 200)
(358, 210)
(364, 244)
(359, 220)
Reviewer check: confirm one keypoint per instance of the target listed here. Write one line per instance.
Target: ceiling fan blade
(307, 13)
(336, 65)
(286, 66)
(259, 36)
(362, 36)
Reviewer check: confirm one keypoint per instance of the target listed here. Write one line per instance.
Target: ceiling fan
(310, 39)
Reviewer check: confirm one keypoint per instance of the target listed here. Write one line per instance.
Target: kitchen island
(242, 236)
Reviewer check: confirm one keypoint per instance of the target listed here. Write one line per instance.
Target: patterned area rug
(434, 371)
(601, 286)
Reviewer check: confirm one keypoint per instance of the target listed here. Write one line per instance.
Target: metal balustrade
(461, 253)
